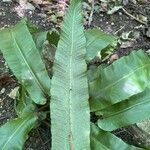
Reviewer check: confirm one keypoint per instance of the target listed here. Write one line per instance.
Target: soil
(117, 23)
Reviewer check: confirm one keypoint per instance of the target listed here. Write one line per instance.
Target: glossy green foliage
(70, 114)
(24, 60)
(133, 110)
(14, 133)
(97, 41)
(124, 78)
(102, 140)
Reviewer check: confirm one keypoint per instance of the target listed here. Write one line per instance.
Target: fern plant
(117, 94)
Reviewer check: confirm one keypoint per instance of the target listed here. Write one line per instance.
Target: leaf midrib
(125, 110)
(26, 62)
(70, 79)
(15, 131)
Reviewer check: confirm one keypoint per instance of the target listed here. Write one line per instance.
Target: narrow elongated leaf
(97, 41)
(14, 133)
(124, 78)
(70, 118)
(24, 60)
(102, 140)
(131, 111)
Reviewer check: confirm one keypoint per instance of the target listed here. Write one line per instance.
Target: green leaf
(102, 140)
(97, 41)
(24, 104)
(39, 39)
(53, 37)
(14, 133)
(70, 117)
(133, 110)
(39, 36)
(24, 60)
(126, 77)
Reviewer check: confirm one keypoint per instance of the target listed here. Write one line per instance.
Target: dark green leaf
(126, 77)
(14, 133)
(53, 37)
(24, 60)
(24, 103)
(97, 41)
(133, 110)
(102, 140)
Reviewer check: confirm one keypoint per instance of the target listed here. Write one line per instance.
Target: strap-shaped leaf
(127, 112)
(102, 140)
(126, 77)
(24, 60)
(70, 118)
(14, 133)
(97, 41)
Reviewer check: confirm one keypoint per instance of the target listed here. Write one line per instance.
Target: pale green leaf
(39, 39)
(97, 41)
(14, 133)
(39, 36)
(70, 117)
(133, 110)
(24, 60)
(126, 77)
(102, 140)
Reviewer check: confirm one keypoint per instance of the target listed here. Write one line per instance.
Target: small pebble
(13, 93)
(30, 12)
(112, 23)
(42, 15)
(2, 91)
(113, 58)
(125, 2)
(120, 13)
